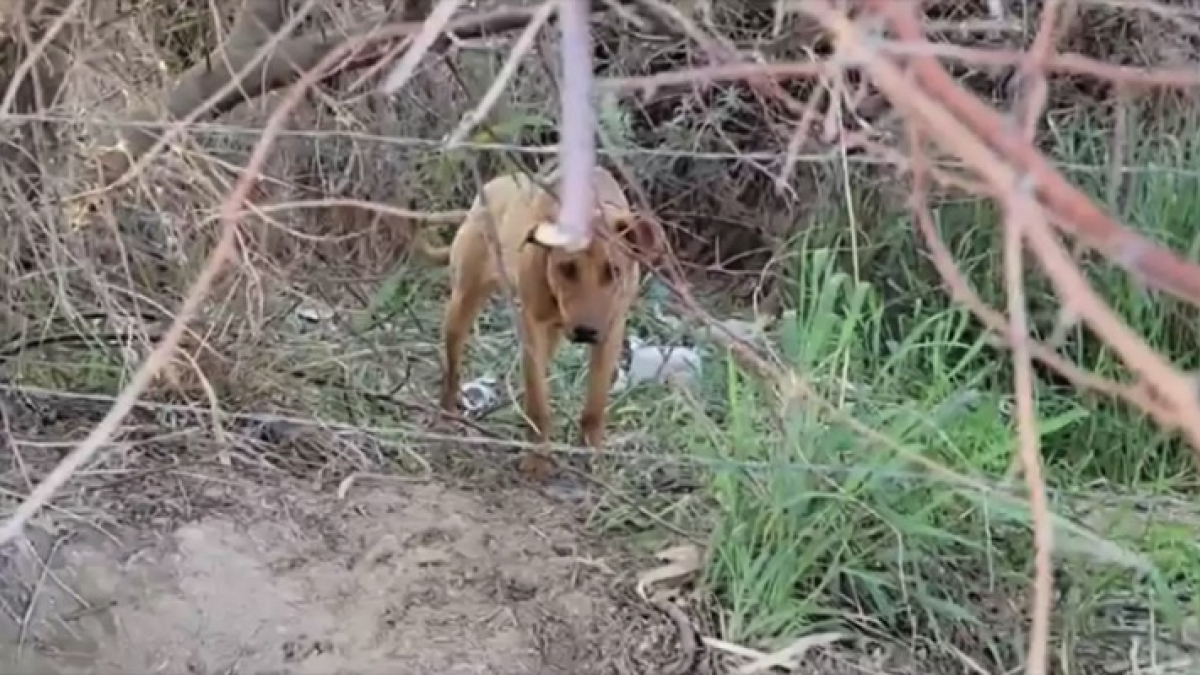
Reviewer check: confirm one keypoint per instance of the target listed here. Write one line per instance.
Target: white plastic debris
(478, 395)
(663, 364)
(314, 314)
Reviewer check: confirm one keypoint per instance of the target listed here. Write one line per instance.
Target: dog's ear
(534, 236)
(550, 235)
(641, 234)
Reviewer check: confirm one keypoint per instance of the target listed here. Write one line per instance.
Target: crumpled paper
(478, 395)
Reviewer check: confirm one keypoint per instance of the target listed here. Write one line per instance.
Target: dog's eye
(610, 273)
(568, 270)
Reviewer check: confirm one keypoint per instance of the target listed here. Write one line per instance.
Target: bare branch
(422, 43)
(522, 47)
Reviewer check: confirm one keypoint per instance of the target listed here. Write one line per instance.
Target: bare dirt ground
(402, 578)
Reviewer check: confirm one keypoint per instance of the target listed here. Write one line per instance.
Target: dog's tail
(421, 241)
(431, 252)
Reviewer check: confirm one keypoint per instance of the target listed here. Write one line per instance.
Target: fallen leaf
(790, 657)
(683, 562)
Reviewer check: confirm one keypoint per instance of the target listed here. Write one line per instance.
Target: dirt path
(407, 578)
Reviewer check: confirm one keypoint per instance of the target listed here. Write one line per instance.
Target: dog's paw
(591, 432)
(536, 466)
(593, 440)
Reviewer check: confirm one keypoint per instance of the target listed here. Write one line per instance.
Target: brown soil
(404, 578)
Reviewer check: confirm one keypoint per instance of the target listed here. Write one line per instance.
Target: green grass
(816, 525)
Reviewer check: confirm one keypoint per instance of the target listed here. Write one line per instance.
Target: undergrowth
(818, 525)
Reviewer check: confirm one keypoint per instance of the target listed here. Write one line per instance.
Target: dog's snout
(584, 335)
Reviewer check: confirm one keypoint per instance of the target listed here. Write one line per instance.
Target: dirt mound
(411, 579)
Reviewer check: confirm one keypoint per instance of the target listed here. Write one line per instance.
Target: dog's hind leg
(466, 301)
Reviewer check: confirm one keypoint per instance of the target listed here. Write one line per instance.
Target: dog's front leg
(538, 346)
(602, 363)
(539, 343)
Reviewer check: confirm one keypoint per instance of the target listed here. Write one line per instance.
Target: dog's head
(592, 282)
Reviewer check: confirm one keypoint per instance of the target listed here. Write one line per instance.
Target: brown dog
(582, 295)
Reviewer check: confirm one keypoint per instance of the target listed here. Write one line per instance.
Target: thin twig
(522, 46)
(430, 30)
(1022, 211)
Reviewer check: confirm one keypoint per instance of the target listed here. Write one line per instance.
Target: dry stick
(433, 217)
(578, 130)
(230, 209)
(1022, 211)
(1063, 64)
(522, 46)
(1031, 102)
(1022, 208)
(431, 28)
(1068, 318)
(800, 133)
(1116, 157)
(955, 136)
(412, 11)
